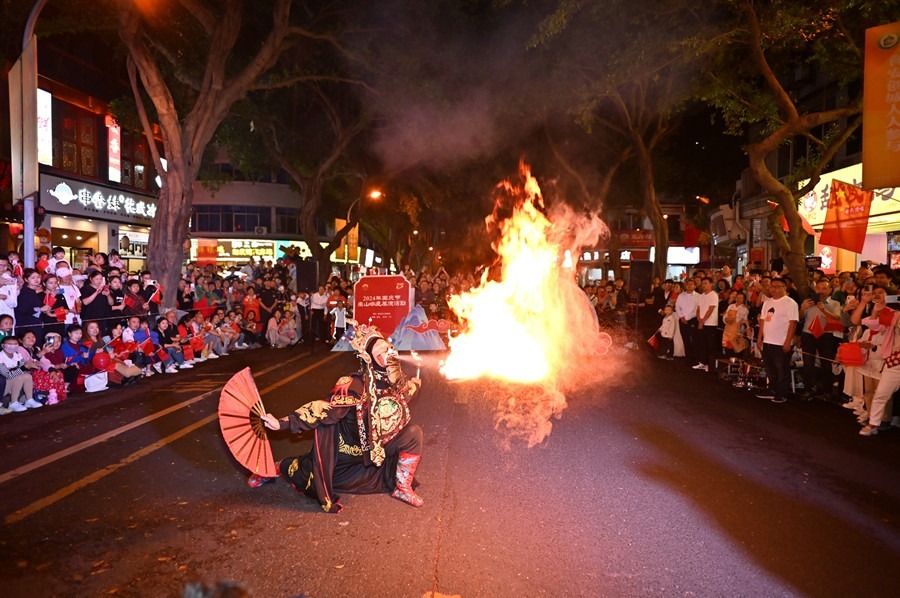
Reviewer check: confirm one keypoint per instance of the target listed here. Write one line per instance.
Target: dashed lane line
(9, 475)
(102, 473)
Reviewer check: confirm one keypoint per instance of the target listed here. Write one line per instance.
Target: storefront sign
(232, 250)
(247, 249)
(881, 107)
(66, 196)
(629, 239)
(45, 127)
(382, 301)
(814, 205)
(114, 134)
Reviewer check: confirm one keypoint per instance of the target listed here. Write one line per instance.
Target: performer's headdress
(364, 336)
(363, 342)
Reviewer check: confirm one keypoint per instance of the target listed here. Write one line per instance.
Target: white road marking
(9, 475)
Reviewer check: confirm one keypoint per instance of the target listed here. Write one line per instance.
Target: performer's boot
(256, 480)
(406, 471)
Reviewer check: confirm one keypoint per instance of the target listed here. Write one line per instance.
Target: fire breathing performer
(363, 442)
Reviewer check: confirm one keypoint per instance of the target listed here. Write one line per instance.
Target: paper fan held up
(240, 409)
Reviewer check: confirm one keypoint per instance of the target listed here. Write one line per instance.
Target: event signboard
(382, 301)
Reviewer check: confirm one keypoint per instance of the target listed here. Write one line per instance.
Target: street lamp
(374, 194)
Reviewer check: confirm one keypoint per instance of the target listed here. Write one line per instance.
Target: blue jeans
(175, 355)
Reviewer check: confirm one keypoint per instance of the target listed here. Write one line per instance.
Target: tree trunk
(792, 244)
(168, 234)
(652, 208)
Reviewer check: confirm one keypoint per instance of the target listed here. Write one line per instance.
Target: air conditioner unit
(261, 230)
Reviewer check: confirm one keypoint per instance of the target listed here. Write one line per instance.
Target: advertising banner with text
(382, 301)
(881, 107)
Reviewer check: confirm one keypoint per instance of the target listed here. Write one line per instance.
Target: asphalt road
(659, 481)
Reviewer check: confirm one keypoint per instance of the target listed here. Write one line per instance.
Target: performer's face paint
(380, 352)
(385, 356)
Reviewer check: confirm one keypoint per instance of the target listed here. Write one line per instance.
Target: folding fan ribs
(240, 412)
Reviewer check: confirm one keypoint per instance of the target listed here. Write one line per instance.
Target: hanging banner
(881, 107)
(847, 219)
(207, 252)
(348, 250)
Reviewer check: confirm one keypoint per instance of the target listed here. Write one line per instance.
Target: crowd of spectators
(837, 339)
(71, 328)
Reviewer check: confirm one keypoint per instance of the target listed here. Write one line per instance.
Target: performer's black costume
(363, 442)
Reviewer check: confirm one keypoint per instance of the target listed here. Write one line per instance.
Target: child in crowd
(666, 333)
(15, 266)
(340, 320)
(19, 385)
(6, 326)
(58, 255)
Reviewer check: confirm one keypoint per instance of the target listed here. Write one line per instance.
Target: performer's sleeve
(409, 388)
(312, 415)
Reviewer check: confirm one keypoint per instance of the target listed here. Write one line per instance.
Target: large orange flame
(532, 324)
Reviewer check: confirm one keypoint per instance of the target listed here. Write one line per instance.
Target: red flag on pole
(803, 221)
(847, 218)
(691, 235)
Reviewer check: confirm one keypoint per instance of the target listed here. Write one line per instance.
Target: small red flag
(815, 327)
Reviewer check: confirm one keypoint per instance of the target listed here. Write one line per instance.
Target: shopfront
(89, 218)
(237, 252)
(883, 225)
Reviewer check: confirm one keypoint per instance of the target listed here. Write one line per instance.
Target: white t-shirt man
(705, 302)
(686, 305)
(318, 300)
(778, 315)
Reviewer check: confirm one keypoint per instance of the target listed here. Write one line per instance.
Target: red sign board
(207, 251)
(382, 301)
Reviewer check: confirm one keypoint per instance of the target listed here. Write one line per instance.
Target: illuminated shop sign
(232, 250)
(66, 196)
(45, 127)
(114, 148)
(247, 249)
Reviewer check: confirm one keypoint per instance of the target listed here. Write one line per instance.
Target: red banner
(691, 235)
(847, 218)
(382, 301)
(881, 107)
(207, 251)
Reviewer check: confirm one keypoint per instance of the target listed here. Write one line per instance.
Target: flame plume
(532, 327)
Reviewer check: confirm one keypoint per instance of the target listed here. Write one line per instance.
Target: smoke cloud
(454, 86)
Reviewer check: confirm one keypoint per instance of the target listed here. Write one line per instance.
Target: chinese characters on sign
(74, 197)
(114, 148)
(881, 107)
(240, 250)
(814, 205)
(264, 249)
(383, 301)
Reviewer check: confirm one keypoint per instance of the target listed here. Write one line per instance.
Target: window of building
(287, 221)
(230, 219)
(74, 139)
(137, 162)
